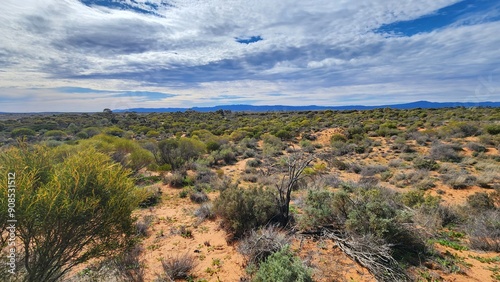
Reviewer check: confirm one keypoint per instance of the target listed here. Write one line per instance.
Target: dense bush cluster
(245, 209)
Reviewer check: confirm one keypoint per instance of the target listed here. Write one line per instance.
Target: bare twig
(370, 252)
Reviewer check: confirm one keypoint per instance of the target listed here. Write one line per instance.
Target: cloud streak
(208, 52)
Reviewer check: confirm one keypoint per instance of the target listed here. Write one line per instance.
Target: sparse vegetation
(381, 184)
(177, 267)
(282, 266)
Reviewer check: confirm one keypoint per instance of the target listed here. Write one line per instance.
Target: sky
(84, 56)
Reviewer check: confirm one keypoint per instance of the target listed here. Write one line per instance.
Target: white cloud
(320, 51)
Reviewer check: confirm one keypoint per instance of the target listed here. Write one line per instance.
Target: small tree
(295, 164)
(68, 211)
(176, 152)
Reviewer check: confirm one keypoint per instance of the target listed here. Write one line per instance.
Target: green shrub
(239, 135)
(459, 130)
(254, 163)
(341, 148)
(272, 146)
(127, 152)
(284, 134)
(57, 134)
(480, 201)
(338, 138)
(177, 152)
(138, 159)
(114, 131)
(227, 155)
(425, 163)
(152, 196)
(19, 132)
(318, 210)
(493, 129)
(198, 197)
(212, 146)
(175, 180)
(91, 131)
(244, 209)
(413, 198)
(152, 134)
(65, 201)
(82, 135)
(355, 132)
(377, 211)
(283, 266)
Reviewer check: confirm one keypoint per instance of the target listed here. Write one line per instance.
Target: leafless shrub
(458, 179)
(476, 147)
(205, 175)
(395, 163)
(413, 177)
(142, 225)
(205, 212)
(252, 178)
(445, 152)
(128, 265)
(258, 245)
(484, 231)
(198, 197)
(330, 180)
(371, 252)
(175, 180)
(178, 267)
(354, 168)
(367, 182)
(371, 170)
(253, 163)
(488, 180)
(425, 184)
(222, 184)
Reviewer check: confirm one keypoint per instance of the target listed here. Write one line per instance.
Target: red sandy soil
(208, 240)
(208, 244)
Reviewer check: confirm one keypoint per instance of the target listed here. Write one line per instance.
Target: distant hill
(281, 108)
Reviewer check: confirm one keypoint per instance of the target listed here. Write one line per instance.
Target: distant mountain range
(281, 108)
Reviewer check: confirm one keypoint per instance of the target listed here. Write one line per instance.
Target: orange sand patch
(324, 136)
(208, 244)
(329, 262)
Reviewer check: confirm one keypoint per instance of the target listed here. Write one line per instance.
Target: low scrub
(178, 267)
(259, 245)
(484, 231)
(283, 266)
(205, 211)
(458, 179)
(242, 210)
(445, 153)
(198, 197)
(176, 180)
(318, 210)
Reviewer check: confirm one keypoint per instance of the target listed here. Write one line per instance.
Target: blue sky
(69, 55)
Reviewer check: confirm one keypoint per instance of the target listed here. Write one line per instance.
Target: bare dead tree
(296, 164)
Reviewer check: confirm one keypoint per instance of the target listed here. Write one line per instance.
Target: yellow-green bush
(69, 209)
